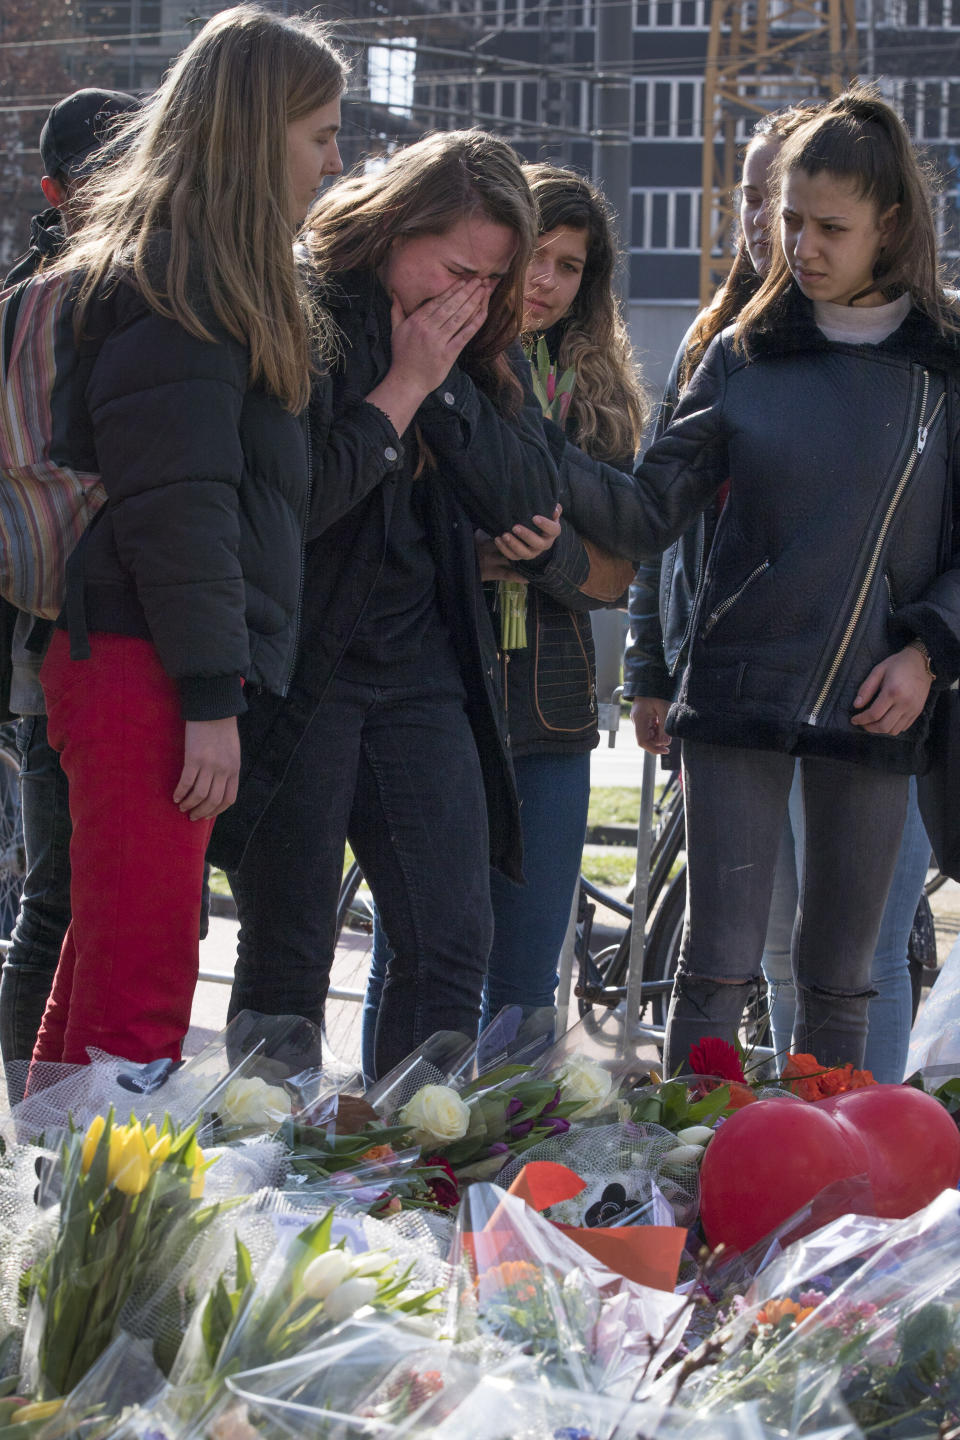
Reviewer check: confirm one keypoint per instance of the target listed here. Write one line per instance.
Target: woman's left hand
(894, 693)
(522, 543)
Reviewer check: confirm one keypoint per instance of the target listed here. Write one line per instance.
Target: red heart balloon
(912, 1144)
(766, 1162)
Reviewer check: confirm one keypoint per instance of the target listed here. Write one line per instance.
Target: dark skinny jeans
(736, 804)
(395, 771)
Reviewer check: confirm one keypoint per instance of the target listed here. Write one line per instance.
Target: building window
(930, 108)
(923, 14)
(668, 109)
(665, 220)
(671, 15)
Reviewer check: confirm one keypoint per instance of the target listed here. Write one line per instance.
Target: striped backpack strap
(45, 503)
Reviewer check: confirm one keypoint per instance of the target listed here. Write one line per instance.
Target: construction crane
(762, 55)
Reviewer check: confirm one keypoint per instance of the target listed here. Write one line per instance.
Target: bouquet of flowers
(554, 391)
(129, 1210)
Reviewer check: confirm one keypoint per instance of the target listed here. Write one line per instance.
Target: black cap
(77, 127)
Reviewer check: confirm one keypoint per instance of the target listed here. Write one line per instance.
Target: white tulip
(374, 1262)
(323, 1275)
(348, 1297)
(683, 1155)
(695, 1135)
(249, 1100)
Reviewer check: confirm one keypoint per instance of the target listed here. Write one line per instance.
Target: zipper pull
(921, 439)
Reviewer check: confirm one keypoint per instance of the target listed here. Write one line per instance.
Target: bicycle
(603, 973)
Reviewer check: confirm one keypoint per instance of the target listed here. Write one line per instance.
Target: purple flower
(552, 1104)
(499, 1148)
(514, 1107)
(524, 1128)
(559, 1126)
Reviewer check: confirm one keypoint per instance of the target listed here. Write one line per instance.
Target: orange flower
(776, 1310)
(806, 1077)
(740, 1095)
(383, 1153)
(506, 1275)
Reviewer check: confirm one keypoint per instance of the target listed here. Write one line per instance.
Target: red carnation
(716, 1057)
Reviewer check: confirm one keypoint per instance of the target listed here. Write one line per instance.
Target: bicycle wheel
(12, 856)
(663, 944)
(922, 952)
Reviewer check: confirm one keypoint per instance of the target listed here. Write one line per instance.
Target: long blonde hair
(609, 407)
(207, 162)
(425, 189)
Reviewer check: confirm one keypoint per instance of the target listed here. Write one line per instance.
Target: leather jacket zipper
(717, 614)
(923, 430)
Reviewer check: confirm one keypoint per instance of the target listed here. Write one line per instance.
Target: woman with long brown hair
(392, 734)
(185, 589)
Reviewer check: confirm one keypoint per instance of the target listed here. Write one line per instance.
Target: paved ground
(622, 765)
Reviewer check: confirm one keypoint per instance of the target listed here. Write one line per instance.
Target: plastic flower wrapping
(508, 1236)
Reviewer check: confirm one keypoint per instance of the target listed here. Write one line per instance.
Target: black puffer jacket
(199, 546)
(491, 474)
(831, 551)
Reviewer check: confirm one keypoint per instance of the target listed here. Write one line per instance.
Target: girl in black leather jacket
(831, 599)
(392, 733)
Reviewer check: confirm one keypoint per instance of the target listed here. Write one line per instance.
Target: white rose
(323, 1275)
(251, 1101)
(587, 1082)
(436, 1115)
(348, 1297)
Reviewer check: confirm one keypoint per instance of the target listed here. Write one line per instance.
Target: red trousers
(128, 968)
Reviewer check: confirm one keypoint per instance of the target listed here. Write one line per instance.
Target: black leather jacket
(662, 596)
(832, 550)
(492, 473)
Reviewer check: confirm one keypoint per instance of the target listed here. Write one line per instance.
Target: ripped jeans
(736, 803)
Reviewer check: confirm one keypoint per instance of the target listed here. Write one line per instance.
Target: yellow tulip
(91, 1140)
(159, 1149)
(36, 1410)
(133, 1163)
(199, 1176)
(118, 1138)
(150, 1135)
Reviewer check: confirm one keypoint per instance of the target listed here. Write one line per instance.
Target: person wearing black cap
(79, 133)
(71, 141)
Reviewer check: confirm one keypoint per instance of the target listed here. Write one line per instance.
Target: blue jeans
(45, 903)
(395, 771)
(530, 920)
(890, 1009)
(736, 806)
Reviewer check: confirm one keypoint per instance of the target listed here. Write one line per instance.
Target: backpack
(45, 503)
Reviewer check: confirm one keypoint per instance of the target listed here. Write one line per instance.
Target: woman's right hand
(211, 768)
(649, 716)
(425, 346)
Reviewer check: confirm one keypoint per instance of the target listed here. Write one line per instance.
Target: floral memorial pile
(513, 1238)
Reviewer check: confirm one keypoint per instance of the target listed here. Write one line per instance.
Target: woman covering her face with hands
(392, 733)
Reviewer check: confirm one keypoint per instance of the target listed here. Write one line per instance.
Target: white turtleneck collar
(861, 324)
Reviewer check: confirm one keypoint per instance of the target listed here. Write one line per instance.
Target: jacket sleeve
(935, 616)
(349, 459)
(645, 671)
(560, 571)
(638, 516)
(500, 467)
(165, 410)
